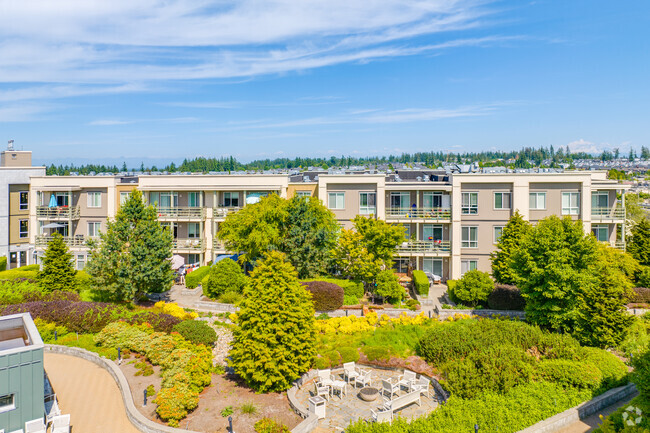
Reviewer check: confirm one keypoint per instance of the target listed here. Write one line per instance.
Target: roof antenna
(10, 145)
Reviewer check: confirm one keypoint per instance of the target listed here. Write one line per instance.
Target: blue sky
(157, 80)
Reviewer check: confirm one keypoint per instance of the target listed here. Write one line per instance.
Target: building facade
(452, 220)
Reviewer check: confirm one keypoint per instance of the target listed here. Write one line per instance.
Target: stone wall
(216, 306)
(443, 314)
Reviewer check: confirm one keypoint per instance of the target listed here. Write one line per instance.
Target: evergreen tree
(274, 342)
(639, 243)
(133, 255)
(510, 241)
(552, 268)
(58, 271)
(225, 276)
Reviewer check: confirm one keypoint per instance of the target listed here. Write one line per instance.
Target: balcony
(181, 213)
(57, 213)
(190, 245)
(619, 245)
(409, 214)
(607, 213)
(70, 241)
(429, 248)
(221, 212)
(218, 245)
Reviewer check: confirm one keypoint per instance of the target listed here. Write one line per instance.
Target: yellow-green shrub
(173, 309)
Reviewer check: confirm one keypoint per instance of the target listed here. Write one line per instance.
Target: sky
(163, 80)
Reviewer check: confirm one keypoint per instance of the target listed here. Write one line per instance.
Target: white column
(454, 232)
(520, 196)
(585, 205)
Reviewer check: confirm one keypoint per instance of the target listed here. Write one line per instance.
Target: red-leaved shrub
(326, 296)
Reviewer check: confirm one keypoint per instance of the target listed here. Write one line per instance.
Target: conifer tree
(275, 340)
(510, 241)
(639, 244)
(58, 271)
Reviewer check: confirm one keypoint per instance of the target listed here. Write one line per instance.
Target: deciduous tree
(474, 287)
(225, 276)
(379, 237)
(58, 271)
(388, 286)
(353, 258)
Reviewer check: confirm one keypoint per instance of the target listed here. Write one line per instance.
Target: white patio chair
(350, 371)
(325, 377)
(322, 390)
(382, 415)
(387, 386)
(422, 385)
(364, 378)
(407, 379)
(61, 424)
(35, 426)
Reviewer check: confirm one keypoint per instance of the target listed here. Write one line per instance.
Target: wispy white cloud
(22, 113)
(109, 122)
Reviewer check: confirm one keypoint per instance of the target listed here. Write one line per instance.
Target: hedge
(3, 263)
(326, 296)
(421, 282)
(28, 272)
(193, 279)
(506, 297)
(569, 373)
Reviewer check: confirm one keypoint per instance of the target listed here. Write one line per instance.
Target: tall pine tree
(58, 271)
(639, 244)
(510, 241)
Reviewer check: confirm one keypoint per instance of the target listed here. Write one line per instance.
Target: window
(231, 199)
(23, 231)
(7, 402)
(93, 228)
(432, 200)
(570, 203)
(367, 203)
(601, 232)
(407, 231)
(193, 199)
(431, 233)
(124, 196)
(468, 265)
(303, 193)
(94, 199)
(193, 230)
(599, 199)
(62, 199)
(502, 200)
(81, 262)
(469, 203)
(498, 230)
(537, 200)
(400, 200)
(336, 200)
(433, 266)
(193, 259)
(23, 200)
(469, 237)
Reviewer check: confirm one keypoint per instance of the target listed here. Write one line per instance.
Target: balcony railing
(222, 211)
(433, 247)
(71, 241)
(436, 214)
(218, 244)
(618, 245)
(181, 212)
(59, 212)
(188, 244)
(608, 213)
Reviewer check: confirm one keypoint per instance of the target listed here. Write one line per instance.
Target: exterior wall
(16, 158)
(312, 187)
(16, 214)
(22, 374)
(351, 191)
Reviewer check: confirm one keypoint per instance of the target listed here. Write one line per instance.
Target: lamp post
(475, 428)
(230, 422)
(145, 398)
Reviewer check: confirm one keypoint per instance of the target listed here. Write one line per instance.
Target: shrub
(23, 273)
(421, 282)
(388, 286)
(225, 276)
(267, 425)
(641, 295)
(506, 297)
(47, 329)
(83, 281)
(413, 304)
(349, 354)
(196, 331)
(326, 296)
(641, 374)
(350, 300)
(568, 373)
(231, 298)
(248, 408)
(374, 353)
(58, 272)
(474, 287)
(173, 309)
(193, 278)
(613, 370)
(3, 263)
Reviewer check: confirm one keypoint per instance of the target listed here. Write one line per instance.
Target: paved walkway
(590, 423)
(89, 394)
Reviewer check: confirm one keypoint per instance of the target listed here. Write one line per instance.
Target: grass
(248, 408)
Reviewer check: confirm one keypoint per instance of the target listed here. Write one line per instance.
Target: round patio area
(343, 408)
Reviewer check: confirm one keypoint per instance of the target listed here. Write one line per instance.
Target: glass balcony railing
(434, 214)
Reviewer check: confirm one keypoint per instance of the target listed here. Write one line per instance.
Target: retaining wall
(443, 314)
(138, 420)
(216, 306)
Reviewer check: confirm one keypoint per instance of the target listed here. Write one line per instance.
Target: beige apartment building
(452, 220)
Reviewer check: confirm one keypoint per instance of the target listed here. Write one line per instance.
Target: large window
(193, 259)
(367, 203)
(231, 199)
(502, 200)
(23, 231)
(81, 262)
(164, 199)
(400, 200)
(336, 200)
(7, 402)
(599, 199)
(469, 237)
(93, 228)
(433, 266)
(193, 199)
(570, 203)
(498, 231)
(94, 199)
(468, 265)
(469, 203)
(124, 196)
(23, 197)
(193, 230)
(537, 200)
(431, 233)
(432, 200)
(303, 194)
(601, 232)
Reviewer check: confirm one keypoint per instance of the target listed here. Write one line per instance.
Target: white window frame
(599, 194)
(94, 199)
(466, 207)
(196, 234)
(469, 265)
(197, 199)
(502, 194)
(570, 210)
(536, 198)
(21, 205)
(469, 243)
(495, 238)
(339, 200)
(367, 209)
(23, 234)
(81, 260)
(9, 407)
(124, 196)
(404, 197)
(231, 197)
(96, 227)
(303, 194)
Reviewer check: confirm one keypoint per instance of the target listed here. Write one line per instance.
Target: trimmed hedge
(196, 331)
(26, 272)
(3, 263)
(569, 373)
(506, 297)
(421, 282)
(193, 278)
(641, 295)
(326, 296)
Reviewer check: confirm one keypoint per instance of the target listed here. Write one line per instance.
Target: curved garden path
(89, 394)
(590, 423)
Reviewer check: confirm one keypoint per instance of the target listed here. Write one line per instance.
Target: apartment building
(452, 219)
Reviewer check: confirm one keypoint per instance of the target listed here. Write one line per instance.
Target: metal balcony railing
(608, 213)
(222, 211)
(436, 214)
(71, 241)
(434, 247)
(188, 244)
(182, 212)
(218, 244)
(59, 212)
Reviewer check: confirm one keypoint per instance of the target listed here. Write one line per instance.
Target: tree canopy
(510, 241)
(379, 237)
(225, 276)
(353, 259)
(58, 271)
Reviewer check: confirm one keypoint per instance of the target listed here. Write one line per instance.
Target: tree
(310, 233)
(274, 342)
(379, 237)
(510, 241)
(388, 286)
(474, 287)
(602, 319)
(353, 258)
(639, 243)
(132, 257)
(634, 213)
(552, 267)
(58, 271)
(225, 276)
